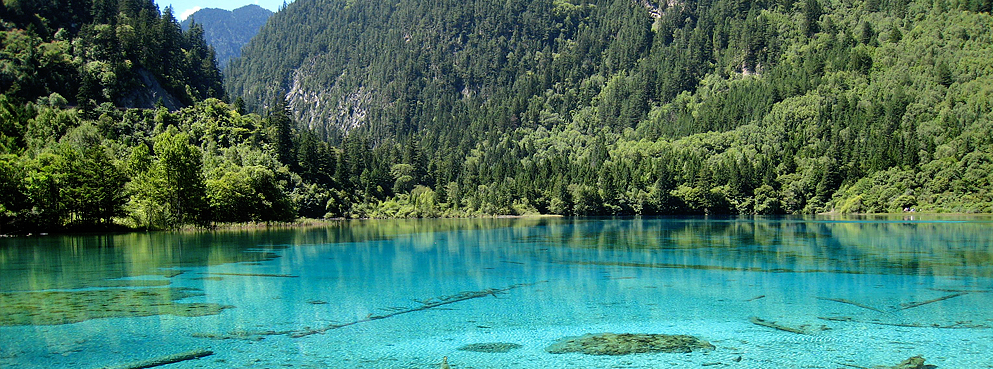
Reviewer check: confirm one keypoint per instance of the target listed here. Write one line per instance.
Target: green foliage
(92, 186)
(120, 51)
(180, 165)
(168, 188)
(150, 169)
(11, 186)
(248, 194)
(811, 16)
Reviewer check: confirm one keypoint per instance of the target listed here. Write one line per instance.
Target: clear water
(851, 284)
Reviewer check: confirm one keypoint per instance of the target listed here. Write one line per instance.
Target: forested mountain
(88, 52)
(639, 107)
(228, 30)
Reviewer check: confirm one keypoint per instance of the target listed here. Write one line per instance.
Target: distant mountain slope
(227, 31)
(642, 107)
(346, 63)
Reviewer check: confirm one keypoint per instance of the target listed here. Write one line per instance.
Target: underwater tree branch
(164, 360)
(425, 305)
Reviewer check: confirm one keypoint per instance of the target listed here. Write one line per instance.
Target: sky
(183, 8)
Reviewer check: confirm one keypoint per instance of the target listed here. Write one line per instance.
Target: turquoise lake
(843, 292)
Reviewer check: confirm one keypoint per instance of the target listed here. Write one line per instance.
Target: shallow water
(405, 294)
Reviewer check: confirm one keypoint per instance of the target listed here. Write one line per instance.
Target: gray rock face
(149, 94)
(627, 343)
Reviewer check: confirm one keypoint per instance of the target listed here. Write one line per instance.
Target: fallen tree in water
(426, 304)
(853, 303)
(931, 301)
(163, 360)
(956, 325)
(765, 323)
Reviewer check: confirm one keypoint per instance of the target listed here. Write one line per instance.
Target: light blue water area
(405, 294)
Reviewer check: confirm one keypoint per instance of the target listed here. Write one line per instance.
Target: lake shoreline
(239, 226)
(317, 223)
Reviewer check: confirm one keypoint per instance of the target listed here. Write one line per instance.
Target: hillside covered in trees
(438, 108)
(86, 132)
(638, 107)
(228, 30)
(89, 52)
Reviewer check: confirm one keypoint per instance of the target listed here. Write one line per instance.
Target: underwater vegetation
(491, 347)
(628, 343)
(64, 307)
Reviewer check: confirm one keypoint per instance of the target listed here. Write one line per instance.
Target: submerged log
(959, 290)
(430, 303)
(254, 275)
(773, 325)
(853, 303)
(931, 301)
(425, 305)
(956, 325)
(164, 360)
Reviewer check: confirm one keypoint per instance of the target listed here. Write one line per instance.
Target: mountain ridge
(228, 30)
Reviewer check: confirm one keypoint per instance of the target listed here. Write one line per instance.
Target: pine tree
(279, 125)
(811, 16)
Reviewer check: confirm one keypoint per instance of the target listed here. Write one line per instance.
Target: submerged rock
(490, 347)
(627, 343)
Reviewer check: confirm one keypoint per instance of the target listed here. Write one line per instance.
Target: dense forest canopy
(228, 30)
(88, 52)
(357, 108)
(640, 107)
(72, 153)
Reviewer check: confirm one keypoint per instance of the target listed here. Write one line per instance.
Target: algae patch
(64, 307)
(627, 343)
(491, 347)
